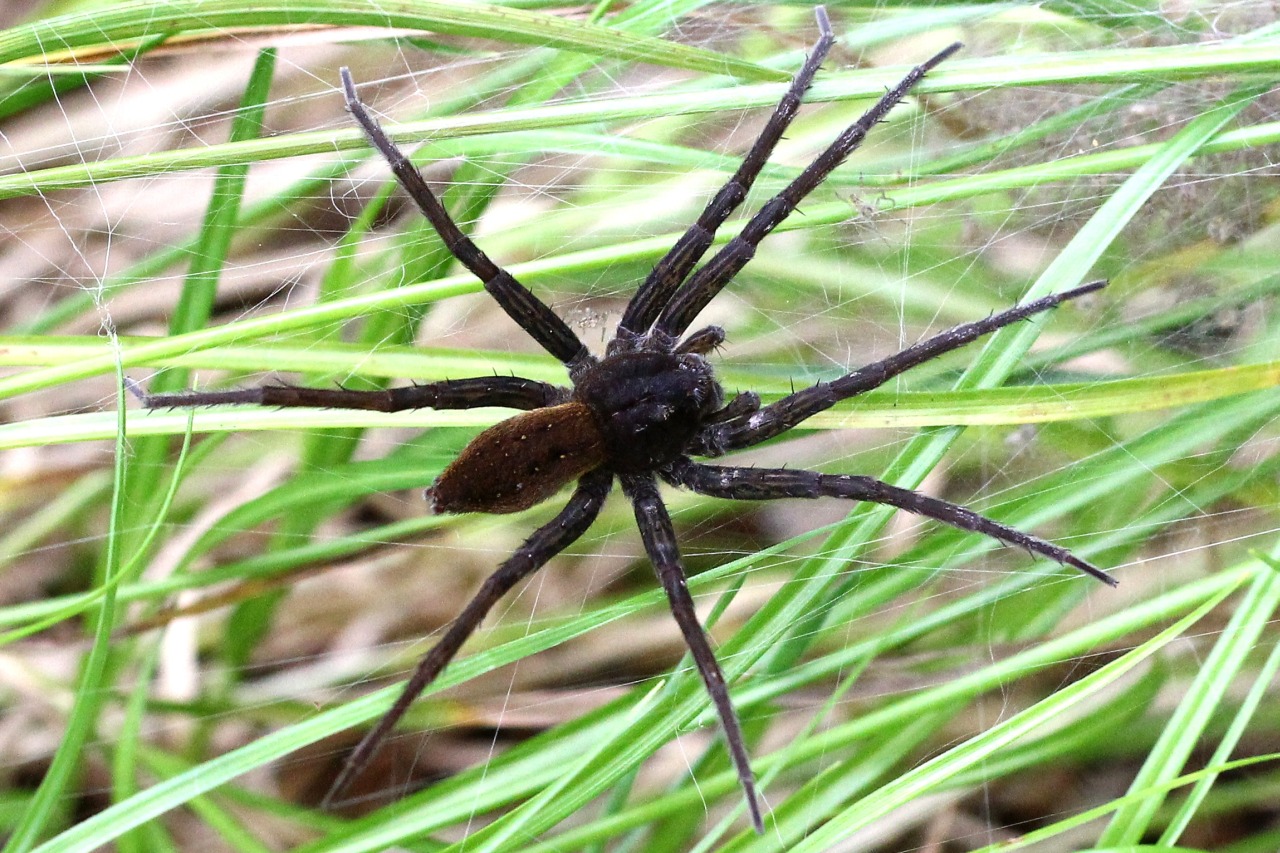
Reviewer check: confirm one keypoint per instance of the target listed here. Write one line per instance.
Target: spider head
(649, 405)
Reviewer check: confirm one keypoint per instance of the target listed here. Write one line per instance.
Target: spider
(639, 413)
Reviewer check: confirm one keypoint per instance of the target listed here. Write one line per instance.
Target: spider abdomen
(521, 461)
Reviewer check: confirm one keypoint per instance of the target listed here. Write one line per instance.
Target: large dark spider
(640, 412)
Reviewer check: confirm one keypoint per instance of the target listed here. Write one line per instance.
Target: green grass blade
(89, 692)
(960, 75)
(934, 773)
(122, 23)
(1168, 758)
(1264, 681)
(1006, 406)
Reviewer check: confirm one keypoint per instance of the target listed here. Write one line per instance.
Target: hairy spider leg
(511, 392)
(532, 315)
(778, 417)
(660, 544)
(762, 484)
(547, 541)
(673, 268)
(704, 284)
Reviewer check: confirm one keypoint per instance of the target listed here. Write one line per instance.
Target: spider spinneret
(643, 410)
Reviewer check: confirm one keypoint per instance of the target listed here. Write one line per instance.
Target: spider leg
(778, 417)
(672, 269)
(741, 405)
(703, 285)
(545, 543)
(511, 392)
(542, 324)
(660, 544)
(760, 484)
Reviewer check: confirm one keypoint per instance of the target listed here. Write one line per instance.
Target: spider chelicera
(641, 412)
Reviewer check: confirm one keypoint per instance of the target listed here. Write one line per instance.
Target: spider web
(863, 273)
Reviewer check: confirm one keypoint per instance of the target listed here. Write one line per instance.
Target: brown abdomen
(520, 462)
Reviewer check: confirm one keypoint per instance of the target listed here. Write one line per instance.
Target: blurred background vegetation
(196, 606)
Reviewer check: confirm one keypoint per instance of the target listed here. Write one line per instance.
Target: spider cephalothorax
(643, 410)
